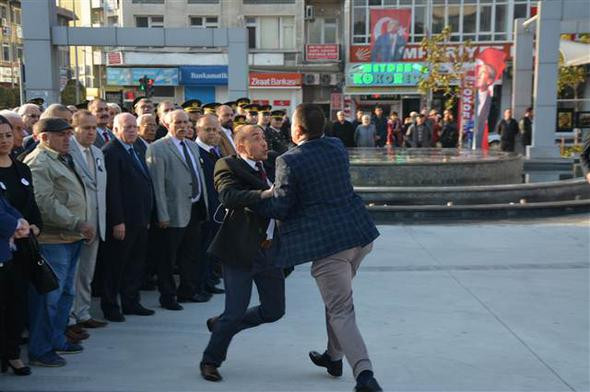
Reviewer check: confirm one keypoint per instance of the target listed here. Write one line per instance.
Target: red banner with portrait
(389, 34)
(489, 66)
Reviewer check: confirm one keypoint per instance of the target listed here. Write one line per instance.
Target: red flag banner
(389, 34)
(489, 66)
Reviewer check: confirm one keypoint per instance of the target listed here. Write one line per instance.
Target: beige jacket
(60, 195)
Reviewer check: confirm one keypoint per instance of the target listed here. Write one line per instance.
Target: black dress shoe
(209, 372)
(324, 360)
(139, 311)
(211, 323)
(115, 317)
(171, 305)
(370, 386)
(18, 371)
(214, 290)
(197, 298)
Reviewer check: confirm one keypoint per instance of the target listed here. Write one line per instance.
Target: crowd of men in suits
(127, 202)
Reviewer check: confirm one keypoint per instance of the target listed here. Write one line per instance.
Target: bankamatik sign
(384, 74)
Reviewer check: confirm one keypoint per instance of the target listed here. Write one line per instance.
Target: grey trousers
(333, 276)
(82, 281)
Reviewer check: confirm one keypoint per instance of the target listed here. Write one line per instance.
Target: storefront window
(477, 20)
(454, 13)
(469, 18)
(501, 19)
(438, 19)
(520, 11)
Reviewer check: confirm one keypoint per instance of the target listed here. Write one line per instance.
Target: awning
(574, 53)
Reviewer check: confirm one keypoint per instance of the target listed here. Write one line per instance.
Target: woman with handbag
(16, 186)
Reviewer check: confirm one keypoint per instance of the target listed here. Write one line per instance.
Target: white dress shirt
(205, 146)
(194, 162)
(271, 225)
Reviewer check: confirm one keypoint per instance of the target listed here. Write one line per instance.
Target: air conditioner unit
(335, 79)
(311, 79)
(309, 12)
(325, 79)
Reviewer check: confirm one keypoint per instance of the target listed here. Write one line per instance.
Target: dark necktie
(136, 160)
(106, 137)
(261, 172)
(214, 154)
(69, 162)
(189, 163)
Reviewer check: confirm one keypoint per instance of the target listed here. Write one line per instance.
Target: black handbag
(42, 276)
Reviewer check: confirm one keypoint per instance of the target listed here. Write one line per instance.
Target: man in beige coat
(61, 196)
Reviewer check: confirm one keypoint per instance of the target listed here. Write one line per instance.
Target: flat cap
(53, 124)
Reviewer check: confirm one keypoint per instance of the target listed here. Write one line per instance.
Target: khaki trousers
(333, 276)
(85, 271)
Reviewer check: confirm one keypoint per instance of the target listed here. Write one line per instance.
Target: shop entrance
(410, 105)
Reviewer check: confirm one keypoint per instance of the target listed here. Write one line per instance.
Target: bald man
(245, 247)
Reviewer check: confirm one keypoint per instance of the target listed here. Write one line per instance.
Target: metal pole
(77, 73)
(21, 85)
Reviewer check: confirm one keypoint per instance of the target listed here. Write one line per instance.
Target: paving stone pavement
(463, 307)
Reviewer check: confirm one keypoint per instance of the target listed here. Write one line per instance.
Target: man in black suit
(129, 208)
(208, 137)
(244, 244)
(343, 130)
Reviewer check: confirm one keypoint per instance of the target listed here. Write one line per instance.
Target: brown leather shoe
(92, 323)
(209, 372)
(77, 328)
(73, 336)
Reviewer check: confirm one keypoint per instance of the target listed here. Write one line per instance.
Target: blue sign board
(119, 76)
(212, 75)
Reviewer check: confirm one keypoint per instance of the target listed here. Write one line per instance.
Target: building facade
(486, 23)
(12, 46)
(281, 35)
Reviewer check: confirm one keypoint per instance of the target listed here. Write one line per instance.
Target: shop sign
(130, 76)
(281, 102)
(415, 53)
(272, 80)
(114, 58)
(322, 52)
(384, 74)
(467, 107)
(215, 75)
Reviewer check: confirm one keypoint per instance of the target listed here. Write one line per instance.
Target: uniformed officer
(274, 137)
(251, 113)
(241, 102)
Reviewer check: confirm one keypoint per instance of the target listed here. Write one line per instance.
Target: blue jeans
(48, 313)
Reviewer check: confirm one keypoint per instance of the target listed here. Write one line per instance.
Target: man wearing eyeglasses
(30, 114)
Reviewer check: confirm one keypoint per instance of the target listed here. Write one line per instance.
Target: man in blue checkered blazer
(323, 221)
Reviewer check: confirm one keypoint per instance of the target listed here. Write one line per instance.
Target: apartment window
(209, 22)
(476, 20)
(16, 14)
(19, 52)
(269, 1)
(149, 21)
(5, 52)
(271, 32)
(323, 31)
(3, 12)
(521, 11)
(148, 1)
